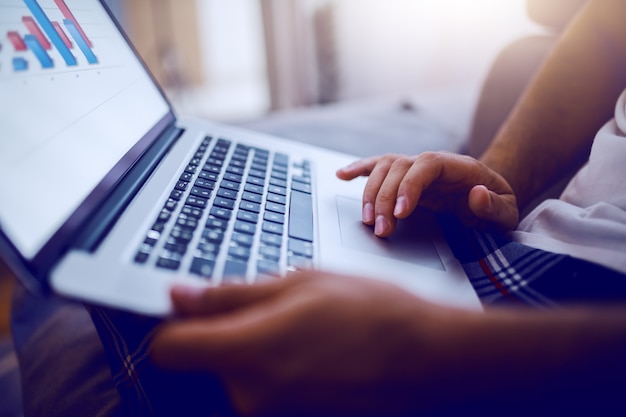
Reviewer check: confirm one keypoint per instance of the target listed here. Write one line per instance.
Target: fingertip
(480, 201)
(342, 174)
(188, 299)
(401, 207)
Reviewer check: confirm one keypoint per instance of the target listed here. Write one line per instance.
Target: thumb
(498, 209)
(194, 301)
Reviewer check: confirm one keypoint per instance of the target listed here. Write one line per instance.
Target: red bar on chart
(62, 34)
(32, 27)
(67, 13)
(16, 40)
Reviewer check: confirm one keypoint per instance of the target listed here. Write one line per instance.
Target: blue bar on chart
(41, 54)
(80, 41)
(20, 64)
(49, 30)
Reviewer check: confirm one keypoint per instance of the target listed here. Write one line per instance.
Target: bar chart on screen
(74, 99)
(50, 35)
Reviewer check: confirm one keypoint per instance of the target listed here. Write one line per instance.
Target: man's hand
(319, 344)
(440, 181)
(311, 344)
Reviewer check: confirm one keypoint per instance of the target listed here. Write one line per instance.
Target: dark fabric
(504, 272)
(145, 389)
(62, 363)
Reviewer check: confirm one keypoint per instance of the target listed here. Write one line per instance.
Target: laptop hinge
(105, 217)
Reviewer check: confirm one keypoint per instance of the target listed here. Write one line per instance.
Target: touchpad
(412, 240)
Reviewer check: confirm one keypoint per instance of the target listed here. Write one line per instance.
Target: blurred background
(240, 60)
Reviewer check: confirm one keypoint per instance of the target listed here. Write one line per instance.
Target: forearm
(550, 131)
(576, 356)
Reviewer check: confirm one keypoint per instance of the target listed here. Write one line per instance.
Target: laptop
(107, 197)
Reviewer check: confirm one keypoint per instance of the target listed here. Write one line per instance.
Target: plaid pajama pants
(501, 271)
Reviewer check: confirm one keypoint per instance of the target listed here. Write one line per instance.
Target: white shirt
(588, 221)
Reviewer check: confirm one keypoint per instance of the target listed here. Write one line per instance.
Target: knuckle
(385, 198)
(429, 156)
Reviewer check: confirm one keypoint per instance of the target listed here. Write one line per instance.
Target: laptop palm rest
(411, 242)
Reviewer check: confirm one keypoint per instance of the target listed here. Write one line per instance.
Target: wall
(401, 45)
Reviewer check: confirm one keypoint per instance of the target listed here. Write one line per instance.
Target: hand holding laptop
(314, 341)
(441, 181)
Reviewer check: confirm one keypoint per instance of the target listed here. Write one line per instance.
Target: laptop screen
(74, 100)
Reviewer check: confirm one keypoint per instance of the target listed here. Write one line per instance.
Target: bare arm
(549, 133)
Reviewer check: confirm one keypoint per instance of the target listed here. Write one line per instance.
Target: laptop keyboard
(240, 211)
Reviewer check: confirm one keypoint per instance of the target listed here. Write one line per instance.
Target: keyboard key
(275, 207)
(270, 252)
(302, 179)
(279, 175)
(255, 198)
(274, 228)
(274, 217)
(248, 216)
(221, 213)
(257, 189)
(181, 235)
(276, 198)
(170, 204)
(208, 175)
(176, 195)
(208, 250)
(256, 181)
(226, 193)
(267, 267)
(301, 216)
(281, 159)
(239, 252)
(298, 186)
(187, 223)
(186, 176)
(222, 202)
(181, 185)
(257, 173)
(196, 201)
(216, 169)
(301, 248)
(277, 190)
(200, 192)
(235, 268)
(172, 264)
(202, 267)
(245, 227)
(271, 239)
(259, 167)
(230, 185)
(250, 206)
(279, 168)
(192, 211)
(280, 183)
(243, 239)
(299, 262)
(235, 170)
(213, 235)
(213, 223)
(174, 247)
(229, 176)
(141, 257)
(204, 183)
